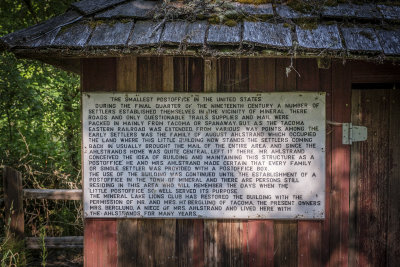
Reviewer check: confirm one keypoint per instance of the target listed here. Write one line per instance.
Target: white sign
(208, 155)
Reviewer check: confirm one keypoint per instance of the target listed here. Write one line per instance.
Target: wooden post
(13, 197)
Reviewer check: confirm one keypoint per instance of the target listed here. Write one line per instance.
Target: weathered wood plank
(287, 12)
(98, 74)
(390, 12)
(366, 11)
(223, 35)
(146, 33)
(174, 32)
(155, 243)
(188, 77)
(260, 233)
(256, 10)
(232, 75)
(196, 33)
(372, 183)
(75, 35)
(339, 208)
(127, 74)
(308, 78)
(198, 240)
(322, 37)
(230, 243)
(188, 74)
(127, 230)
(146, 242)
(266, 34)
(309, 232)
(210, 236)
(127, 236)
(168, 74)
(285, 81)
(210, 75)
(150, 74)
(55, 194)
(13, 201)
(355, 168)
(111, 34)
(45, 40)
(261, 75)
(393, 228)
(389, 41)
(189, 243)
(285, 232)
(361, 39)
(260, 242)
(100, 237)
(369, 72)
(285, 243)
(54, 242)
(210, 242)
(326, 85)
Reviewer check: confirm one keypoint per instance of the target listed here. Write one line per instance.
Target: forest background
(40, 124)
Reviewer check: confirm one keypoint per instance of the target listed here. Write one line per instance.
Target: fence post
(13, 201)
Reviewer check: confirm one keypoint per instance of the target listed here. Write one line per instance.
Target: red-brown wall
(195, 242)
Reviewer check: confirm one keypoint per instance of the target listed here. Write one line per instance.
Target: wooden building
(349, 51)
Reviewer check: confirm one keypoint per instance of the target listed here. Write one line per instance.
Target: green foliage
(40, 122)
(44, 252)
(12, 250)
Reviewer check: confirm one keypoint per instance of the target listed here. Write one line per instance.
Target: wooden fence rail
(14, 210)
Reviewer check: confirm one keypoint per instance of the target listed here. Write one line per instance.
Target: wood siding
(170, 242)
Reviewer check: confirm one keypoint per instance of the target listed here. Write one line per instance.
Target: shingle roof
(94, 27)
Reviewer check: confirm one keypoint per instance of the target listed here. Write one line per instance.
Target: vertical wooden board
(126, 74)
(393, 230)
(210, 242)
(232, 75)
(339, 203)
(127, 230)
(260, 233)
(100, 246)
(127, 233)
(230, 243)
(150, 74)
(13, 201)
(188, 74)
(223, 239)
(210, 75)
(260, 242)
(326, 86)
(355, 172)
(154, 239)
(168, 74)
(308, 78)
(261, 74)
(285, 232)
(309, 233)
(189, 233)
(373, 180)
(285, 243)
(100, 238)
(210, 235)
(98, 74)
(284, 80)
(198, 243)
(184, 242)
